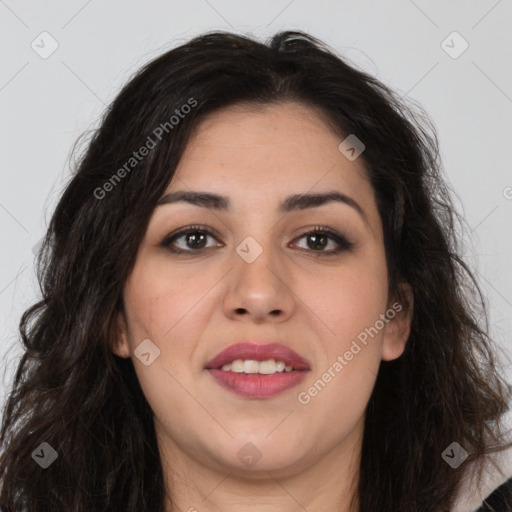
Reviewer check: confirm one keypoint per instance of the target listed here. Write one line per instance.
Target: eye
(194, 240)
(319, 238)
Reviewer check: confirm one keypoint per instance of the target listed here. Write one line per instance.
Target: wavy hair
(71, 391)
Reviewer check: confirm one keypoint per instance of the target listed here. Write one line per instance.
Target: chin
(261, 455)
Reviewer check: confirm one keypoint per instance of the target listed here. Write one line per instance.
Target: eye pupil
(316, 239)
(197, 239)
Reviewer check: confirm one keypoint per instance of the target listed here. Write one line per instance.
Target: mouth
(258, 371)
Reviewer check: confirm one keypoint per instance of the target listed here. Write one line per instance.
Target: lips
(257, 385)
(258, 352)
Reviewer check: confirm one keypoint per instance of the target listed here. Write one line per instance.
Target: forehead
(260, 151)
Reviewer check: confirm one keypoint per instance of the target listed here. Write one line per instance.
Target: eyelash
(343, 243)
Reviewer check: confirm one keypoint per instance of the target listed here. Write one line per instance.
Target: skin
(193, 305)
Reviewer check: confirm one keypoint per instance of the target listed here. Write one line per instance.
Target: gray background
(46, 103)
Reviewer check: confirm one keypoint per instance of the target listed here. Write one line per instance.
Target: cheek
(159, 300)
(169, 309)
(341, 383)
(347, 310)
(346, 301)
(161, 308)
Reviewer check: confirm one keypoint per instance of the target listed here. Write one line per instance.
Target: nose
(260, 290)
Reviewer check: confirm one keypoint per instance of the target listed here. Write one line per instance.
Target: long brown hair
(72, 392)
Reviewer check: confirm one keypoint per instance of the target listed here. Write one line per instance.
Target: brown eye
(320, 238)
(190, 239)
(316, 241)
(194, 239)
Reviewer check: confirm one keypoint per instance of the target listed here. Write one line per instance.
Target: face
(251, 268)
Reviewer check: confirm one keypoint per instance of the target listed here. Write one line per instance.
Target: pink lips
(258, 385)
(258, 353)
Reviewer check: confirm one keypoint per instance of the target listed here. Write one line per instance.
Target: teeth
(267, 367)
(251, 366)
(237, 366)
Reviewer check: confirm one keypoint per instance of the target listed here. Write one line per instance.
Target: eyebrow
(291, 203)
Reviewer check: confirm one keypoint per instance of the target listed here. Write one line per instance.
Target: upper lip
(258, 352)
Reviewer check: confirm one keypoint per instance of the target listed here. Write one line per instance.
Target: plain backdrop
(63, 62)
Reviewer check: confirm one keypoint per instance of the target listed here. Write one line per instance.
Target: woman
(252, 300)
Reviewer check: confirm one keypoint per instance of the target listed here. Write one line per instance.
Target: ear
(398, 326)
(120, 345)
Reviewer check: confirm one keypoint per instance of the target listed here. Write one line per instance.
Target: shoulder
(493, 492)
(500, 500)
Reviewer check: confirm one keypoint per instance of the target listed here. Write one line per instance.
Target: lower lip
(256, 385)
